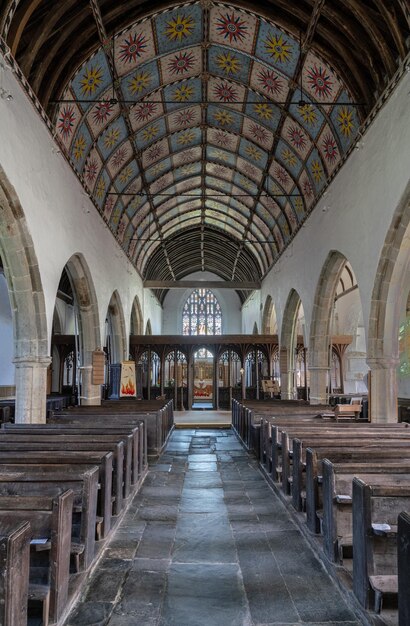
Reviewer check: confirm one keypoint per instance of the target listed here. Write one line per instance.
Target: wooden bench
(14, 571)
(314, 459)
(403, 566)
(79, 443)
(41, 463)
(158, 424)
(294, 453)
(375, 514)
(84, 487)
(128, 468)
(50, 525)
(337, 498)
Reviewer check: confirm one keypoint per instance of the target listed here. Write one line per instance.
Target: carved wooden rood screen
(206, 369)
(210, 370)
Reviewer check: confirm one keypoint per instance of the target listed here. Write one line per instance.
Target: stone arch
(319, 339)
(255, 330)
(22, 274)
(266, 316)
(116, 323)
(136, 318)
(88, 320)
(389, 298)
(148, 328)
(287, 344)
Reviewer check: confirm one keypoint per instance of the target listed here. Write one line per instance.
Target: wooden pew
(403, 566)
(50, 519)
(375, 513)
(314, 459)
(14, 571)
(42, 463)
(122, 457)
(314, 427)
(337, 498)
(294, 454)
(120, 426)
(92, 429)
(158, 424)
(84, 487)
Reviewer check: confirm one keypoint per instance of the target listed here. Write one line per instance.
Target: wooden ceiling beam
(201, 284)
(42, 34)
(19, 23)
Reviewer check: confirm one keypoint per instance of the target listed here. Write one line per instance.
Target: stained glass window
(202, 314)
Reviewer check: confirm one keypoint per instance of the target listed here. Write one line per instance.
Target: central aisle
(207, 543)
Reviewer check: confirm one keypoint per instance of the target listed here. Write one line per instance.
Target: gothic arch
(22, 275)
(266, 316)
(86, 301)
(389, 297)
(116, 323)
(86, 306)
(25, 290)
(148, 328)
(287, 344)
(390, 289)
(136, 318)
(320, 325)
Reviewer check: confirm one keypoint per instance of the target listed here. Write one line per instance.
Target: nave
(206, 542)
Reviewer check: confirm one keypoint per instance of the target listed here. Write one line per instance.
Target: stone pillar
(31, 389)
(383, 390)
(285, 377)
(191, 377)
(318, 384)
(90, 394)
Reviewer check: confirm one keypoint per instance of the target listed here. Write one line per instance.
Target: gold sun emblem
(180, 27)
(308, 114)
(125, 174)
(139, 82)
(79, 147)
(186, 137)
(278, 48)
(317, 171)
(263, 110)
(253, 153)
(345, 119)
(100, 189)
(228, 63)
(223, 118)
(111, 137)
(150, 132)
(183, 93)
(289, 157)
(92, 78)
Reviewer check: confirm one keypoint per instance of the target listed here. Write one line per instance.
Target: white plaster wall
(348, 320)
(354, 216)
(175, 299)
(60, 217)
(252, 313)
(6, 336)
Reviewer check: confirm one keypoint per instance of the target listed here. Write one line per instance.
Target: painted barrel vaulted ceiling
(205, 132)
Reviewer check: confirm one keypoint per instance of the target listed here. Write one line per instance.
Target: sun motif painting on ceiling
(205, 115)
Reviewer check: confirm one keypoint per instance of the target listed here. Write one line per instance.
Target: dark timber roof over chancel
(205, 132)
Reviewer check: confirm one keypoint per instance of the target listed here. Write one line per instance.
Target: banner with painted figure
(128, 387)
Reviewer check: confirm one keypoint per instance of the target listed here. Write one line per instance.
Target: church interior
(204, 312)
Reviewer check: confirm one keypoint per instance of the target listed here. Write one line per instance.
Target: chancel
(204, 312)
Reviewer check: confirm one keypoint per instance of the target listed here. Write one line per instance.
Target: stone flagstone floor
(207, 543)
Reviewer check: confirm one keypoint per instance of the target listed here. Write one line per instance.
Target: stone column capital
(383, 363)
(32, 361)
